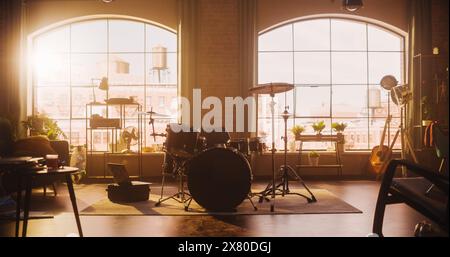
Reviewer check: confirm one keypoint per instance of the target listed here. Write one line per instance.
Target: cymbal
(152, 113)
(271, 88)
(286, 114)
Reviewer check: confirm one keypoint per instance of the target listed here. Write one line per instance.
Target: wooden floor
(399, 220)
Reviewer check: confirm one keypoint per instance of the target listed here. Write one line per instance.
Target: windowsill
(330, 153)
(356, 152)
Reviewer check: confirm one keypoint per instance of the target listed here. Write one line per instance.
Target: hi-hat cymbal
(271, 88)
(286, 114)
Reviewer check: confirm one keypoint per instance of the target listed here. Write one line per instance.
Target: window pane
(100, 139)
(126, 69)
(126, 36)
(356, 134)
(376, 131)
(349, 68)
(86, 67)
(312, 68)
(312, 35)
(383, 40)
(126, 92)
(281, 100)
(155, 94)
(279, 39)
(312, 101)
(51, 69)
(382, 64)
(387, 107)
(157, 37)
(53, 101)
(350, 101)
(161, 68)
(265, 131)
(82, 96)
(57, 40)
(348, 35)
(275, 67)
(78, 134)
(89, 36)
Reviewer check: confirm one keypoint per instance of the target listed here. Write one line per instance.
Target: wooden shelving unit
(112, 142)
(321, 138)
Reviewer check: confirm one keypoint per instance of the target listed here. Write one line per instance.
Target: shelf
(316, 138)
(103, 128)
(112, 104)
(331, 166)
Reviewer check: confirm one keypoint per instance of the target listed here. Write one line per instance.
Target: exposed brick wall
(218, 47)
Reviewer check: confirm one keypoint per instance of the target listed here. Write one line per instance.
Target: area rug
(327, 203)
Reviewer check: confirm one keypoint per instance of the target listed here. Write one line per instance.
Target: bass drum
(219, 178)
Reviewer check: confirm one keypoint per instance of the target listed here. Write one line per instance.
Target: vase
(313, 161)
(340, 142)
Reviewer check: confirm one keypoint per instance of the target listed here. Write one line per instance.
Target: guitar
(380, 153)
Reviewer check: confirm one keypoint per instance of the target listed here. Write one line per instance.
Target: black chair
(412, 191)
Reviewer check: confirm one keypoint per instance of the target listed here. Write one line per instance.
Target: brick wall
(218, 47)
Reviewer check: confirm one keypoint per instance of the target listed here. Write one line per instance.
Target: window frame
(32, 87)
(358, 19)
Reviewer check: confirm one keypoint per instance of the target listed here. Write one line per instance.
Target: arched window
(139, 59)
(336, 66)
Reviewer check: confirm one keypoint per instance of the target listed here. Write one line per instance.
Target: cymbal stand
(180, 195)
(286, 172)
(263, 194)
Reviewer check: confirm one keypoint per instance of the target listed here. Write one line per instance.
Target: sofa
(37, 146)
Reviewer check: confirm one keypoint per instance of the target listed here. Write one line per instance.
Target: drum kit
(217, 169)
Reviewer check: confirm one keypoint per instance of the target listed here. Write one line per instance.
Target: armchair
(412, 191)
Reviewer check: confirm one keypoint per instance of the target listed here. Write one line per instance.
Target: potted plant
(318, 127)
(297, 130)
(43, 125)
(313, 158)
(339, 128)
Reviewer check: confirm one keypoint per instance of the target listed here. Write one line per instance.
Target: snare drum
(241, 145)
(215, 138)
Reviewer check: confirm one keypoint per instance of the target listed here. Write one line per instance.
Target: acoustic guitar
(380, 153)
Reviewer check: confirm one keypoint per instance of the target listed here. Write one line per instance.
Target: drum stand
(286, 170)
(180, 195)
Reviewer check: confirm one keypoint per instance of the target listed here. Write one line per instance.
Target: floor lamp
(400, 95)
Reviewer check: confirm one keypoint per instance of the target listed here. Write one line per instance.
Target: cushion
(414, 189)
(36, 146)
